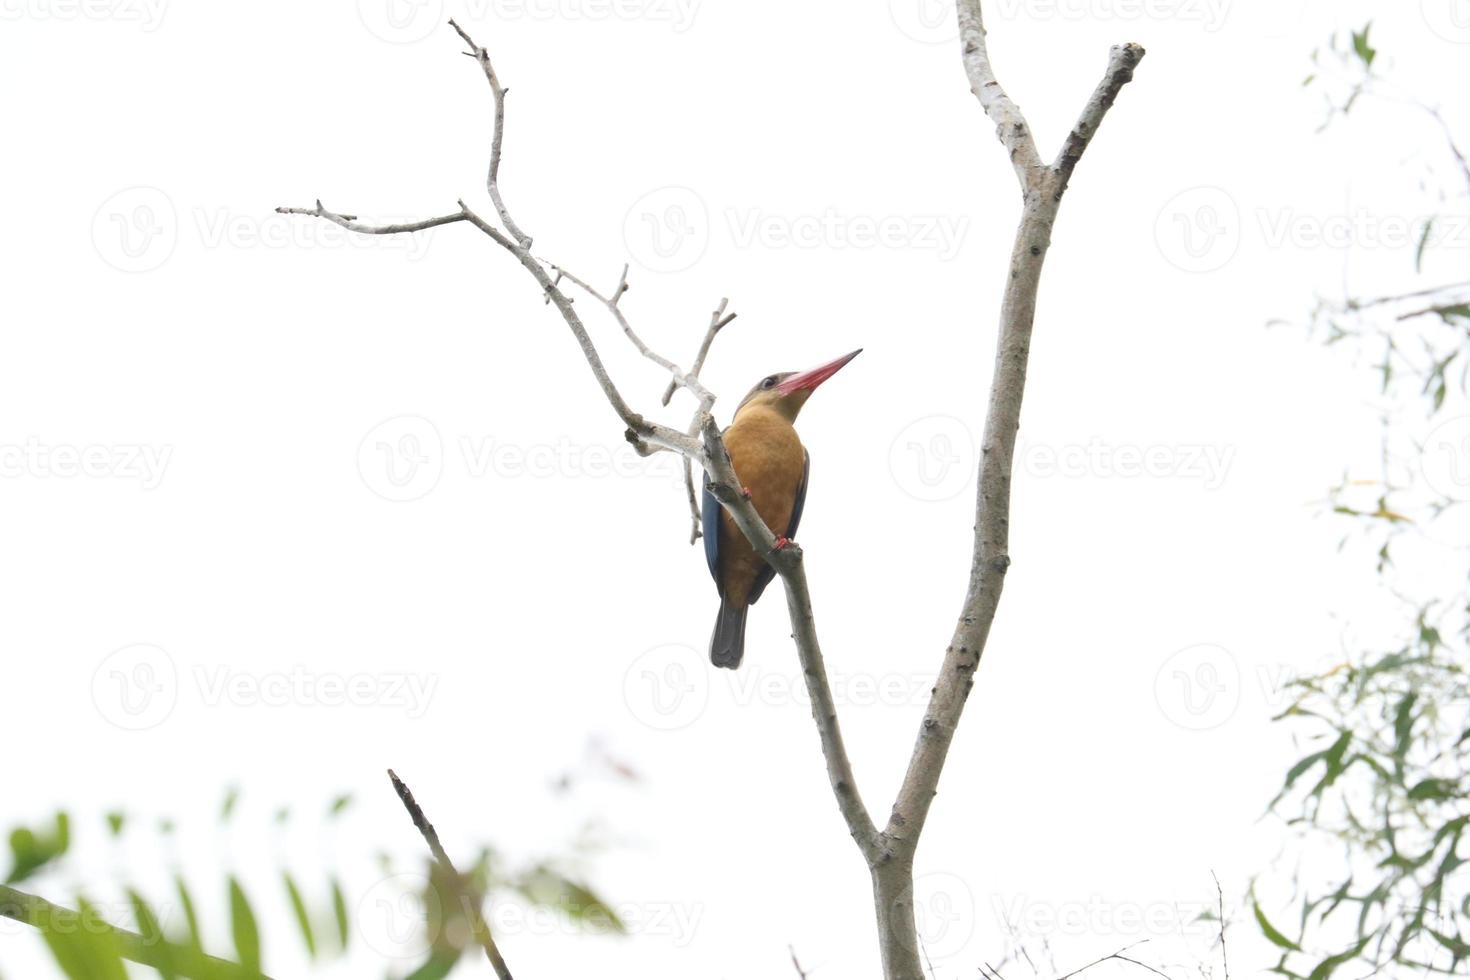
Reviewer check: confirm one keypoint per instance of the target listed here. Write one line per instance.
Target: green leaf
(151, 931)
(1434, 789)
(116, 821)
(227, 808)
(1362, 47)
(243, 928)
(339, 910)
(32, 850)
(303, 918)
(438, 966)
(340, 805)
(1271, 932)
(191, 915)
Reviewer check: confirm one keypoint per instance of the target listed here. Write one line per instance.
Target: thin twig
(471, 902)
(1119, 955)
(1220, 897)
(718, 320)
(796, 962)
(497, 134)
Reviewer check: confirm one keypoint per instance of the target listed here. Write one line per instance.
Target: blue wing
(709, 519)
(709, 515)
(767, 572)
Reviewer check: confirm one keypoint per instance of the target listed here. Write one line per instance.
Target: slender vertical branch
(470, 901)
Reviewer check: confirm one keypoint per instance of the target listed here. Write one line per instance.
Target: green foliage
(32, 850)
(1383, 781)
(84, 945)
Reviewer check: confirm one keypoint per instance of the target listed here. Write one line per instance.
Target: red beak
(808, 380)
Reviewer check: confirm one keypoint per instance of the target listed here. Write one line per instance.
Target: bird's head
(786, 392)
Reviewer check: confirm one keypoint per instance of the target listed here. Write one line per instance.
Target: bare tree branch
(889, 854)
(1010, 125)
(497, 133)
(471, 902)
(1224, 951)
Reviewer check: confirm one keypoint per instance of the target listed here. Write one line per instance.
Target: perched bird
(772, 466)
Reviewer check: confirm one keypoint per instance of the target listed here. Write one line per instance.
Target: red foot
(782, 542)
(745, 492)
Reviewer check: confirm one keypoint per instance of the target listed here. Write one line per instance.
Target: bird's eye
(769, 382)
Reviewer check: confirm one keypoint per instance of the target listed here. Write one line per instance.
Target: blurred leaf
(151, 931)
(243, 928)
(1271, 932)
(227, 808)
(303, 918)
(340, 805)
(1362, 47)
(191, 917)
(339, 910)
(32, 850)
(116, 820)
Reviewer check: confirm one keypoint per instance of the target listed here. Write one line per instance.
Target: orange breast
(769, 460)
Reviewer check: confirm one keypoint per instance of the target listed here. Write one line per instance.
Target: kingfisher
(772, 466)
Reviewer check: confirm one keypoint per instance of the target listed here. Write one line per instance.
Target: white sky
(235, 367)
